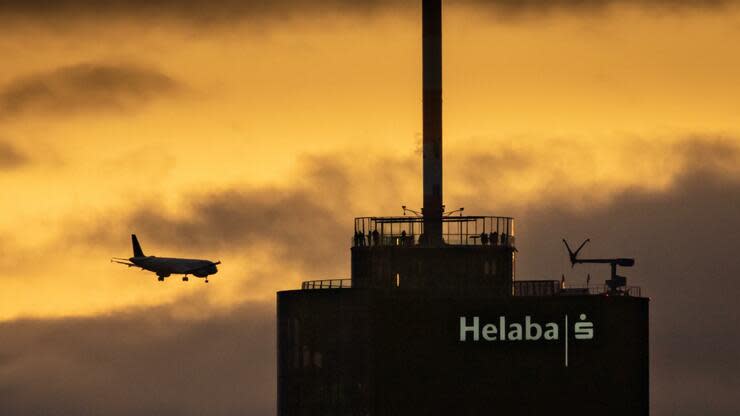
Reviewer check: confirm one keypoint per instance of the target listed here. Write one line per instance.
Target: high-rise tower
(432, 321)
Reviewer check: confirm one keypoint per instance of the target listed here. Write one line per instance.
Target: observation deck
(456, 231)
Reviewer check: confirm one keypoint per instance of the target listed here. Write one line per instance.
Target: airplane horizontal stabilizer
(129, 264)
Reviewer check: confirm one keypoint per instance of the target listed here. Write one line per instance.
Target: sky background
(253, 133)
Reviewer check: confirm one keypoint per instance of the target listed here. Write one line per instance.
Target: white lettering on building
(472, 329)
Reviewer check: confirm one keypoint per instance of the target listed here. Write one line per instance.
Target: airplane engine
(206, 271)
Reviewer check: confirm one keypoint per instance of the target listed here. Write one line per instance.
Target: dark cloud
(307, 224)
(10, 157)
(299, 226)
(685, 242)
(552, 169)
(193, 10)
(276, 10)
(148, 361)
(84, 87)
(708, 154)
(539, 6)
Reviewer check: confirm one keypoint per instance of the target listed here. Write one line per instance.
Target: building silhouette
(433, 321)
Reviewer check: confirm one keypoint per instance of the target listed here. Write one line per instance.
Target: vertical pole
(432, 108)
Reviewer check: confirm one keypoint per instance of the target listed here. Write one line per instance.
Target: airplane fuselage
(165, 266)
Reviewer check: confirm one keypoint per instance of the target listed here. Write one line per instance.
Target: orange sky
(585, 103)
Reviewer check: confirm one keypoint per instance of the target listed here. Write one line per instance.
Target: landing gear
(206, 280)
(160, 278)
(184, 278)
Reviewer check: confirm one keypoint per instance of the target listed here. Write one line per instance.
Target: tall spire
(432, 106)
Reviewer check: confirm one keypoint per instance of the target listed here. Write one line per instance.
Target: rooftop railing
(327, 284)
(456, 231)
(518, 288)
(535, 287)
(553, 287)
(601, 290)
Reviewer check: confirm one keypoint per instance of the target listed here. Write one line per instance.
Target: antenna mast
(432, 107)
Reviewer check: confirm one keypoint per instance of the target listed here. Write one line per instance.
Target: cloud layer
(84, 87)
(307, 225)
(148, 361)
(10, 157)
(278, 10)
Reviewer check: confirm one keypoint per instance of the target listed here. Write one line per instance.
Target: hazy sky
(253, 132)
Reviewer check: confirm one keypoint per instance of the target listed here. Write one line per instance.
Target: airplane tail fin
(137, 247)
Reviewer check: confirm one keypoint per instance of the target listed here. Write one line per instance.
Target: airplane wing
(129, 264)
(202, 267)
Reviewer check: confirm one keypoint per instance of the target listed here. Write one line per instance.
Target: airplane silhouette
(166, 266)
